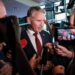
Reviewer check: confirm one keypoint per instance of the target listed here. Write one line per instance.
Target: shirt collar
(31, 32)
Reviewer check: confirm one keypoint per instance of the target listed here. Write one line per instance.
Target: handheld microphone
(44, 56)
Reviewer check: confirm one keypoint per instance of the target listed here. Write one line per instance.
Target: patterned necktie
(38, 44)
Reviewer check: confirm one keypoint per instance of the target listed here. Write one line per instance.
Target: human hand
(6, 69)
(2, 45)
(48, 65)
(59, 69)
(61, 50)
(50, 47)
(34, 61)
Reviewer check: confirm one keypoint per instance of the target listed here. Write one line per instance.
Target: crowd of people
(43, 60)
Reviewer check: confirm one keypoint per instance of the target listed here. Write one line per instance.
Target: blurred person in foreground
(7, 43)
(6, 68)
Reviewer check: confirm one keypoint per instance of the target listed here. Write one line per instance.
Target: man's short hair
(33, 9)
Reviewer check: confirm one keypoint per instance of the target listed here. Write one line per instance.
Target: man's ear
(28, 20)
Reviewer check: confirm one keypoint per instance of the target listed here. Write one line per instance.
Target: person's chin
(40, 30)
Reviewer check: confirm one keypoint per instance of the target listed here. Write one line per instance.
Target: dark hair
(9, 33)
(2, 30)
(32, 9)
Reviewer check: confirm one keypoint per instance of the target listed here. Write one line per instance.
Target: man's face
(37, 21)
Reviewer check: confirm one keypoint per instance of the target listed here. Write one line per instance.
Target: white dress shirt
(32, 38)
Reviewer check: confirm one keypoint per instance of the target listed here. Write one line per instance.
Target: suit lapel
(29, 49)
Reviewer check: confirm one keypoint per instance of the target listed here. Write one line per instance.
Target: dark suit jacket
(29, 49)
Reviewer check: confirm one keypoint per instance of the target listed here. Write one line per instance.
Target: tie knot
(35, 34)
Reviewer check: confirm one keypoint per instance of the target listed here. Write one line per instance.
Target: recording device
(65, 36)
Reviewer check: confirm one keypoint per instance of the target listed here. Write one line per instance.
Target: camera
(65, 36)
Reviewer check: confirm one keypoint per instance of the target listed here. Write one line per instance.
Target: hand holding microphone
(50, 47)
(62, 51)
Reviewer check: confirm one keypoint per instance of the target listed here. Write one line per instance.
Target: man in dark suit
(36, 18)
(41, 63)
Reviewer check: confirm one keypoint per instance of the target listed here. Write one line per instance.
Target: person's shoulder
(44, 31)
(23, 29)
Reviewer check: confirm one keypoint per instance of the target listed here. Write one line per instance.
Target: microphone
(45, 55)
